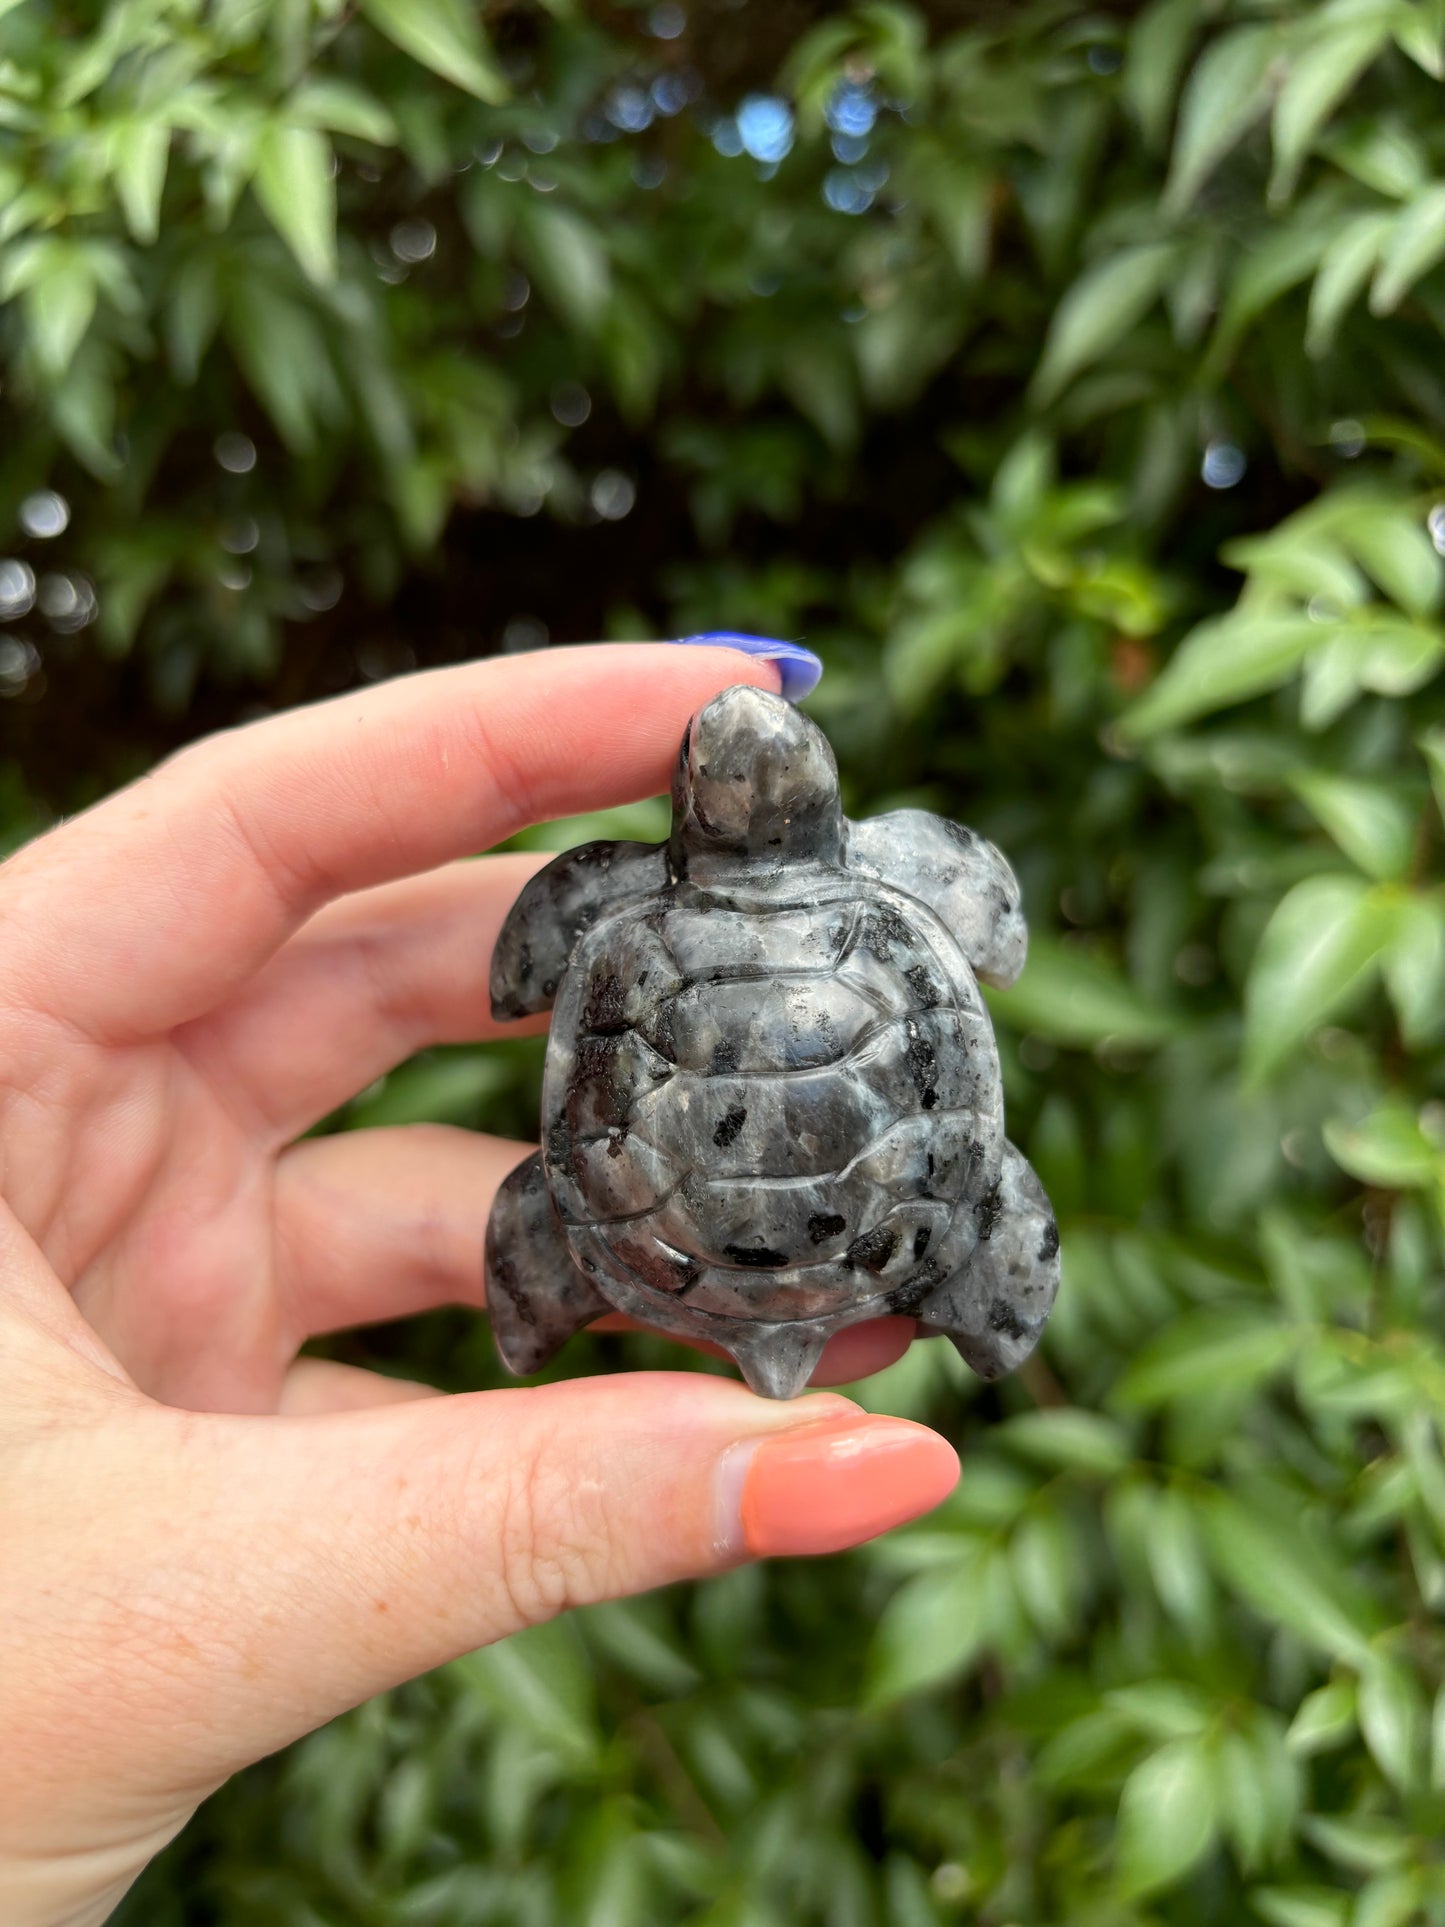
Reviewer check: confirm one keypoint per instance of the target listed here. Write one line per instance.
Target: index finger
(142, 913)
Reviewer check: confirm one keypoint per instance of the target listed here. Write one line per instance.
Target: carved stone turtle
(771, 1105)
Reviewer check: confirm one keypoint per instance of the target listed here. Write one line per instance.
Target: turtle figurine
(771, 1104)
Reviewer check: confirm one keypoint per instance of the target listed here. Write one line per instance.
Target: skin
(210, 1548)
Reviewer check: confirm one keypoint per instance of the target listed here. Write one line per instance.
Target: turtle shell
(767, 1109)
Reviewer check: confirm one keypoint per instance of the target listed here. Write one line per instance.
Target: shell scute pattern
(820, 1096)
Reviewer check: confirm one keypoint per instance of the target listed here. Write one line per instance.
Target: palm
(167, 1188)
(169, 1246)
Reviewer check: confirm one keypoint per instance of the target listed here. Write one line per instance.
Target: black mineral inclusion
(771, 1104)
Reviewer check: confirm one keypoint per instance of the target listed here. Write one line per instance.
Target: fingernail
(798, 667)
(820, 1488)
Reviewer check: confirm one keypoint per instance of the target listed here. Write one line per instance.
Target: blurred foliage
(1073, 379)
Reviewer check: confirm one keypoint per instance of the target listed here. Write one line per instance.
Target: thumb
(350, 1552)
(329, 1558)
(190, 1592)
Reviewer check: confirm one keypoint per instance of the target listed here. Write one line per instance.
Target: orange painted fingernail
(820, 1488)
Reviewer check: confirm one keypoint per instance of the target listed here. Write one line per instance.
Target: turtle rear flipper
(963, 879)
(557, 907)
(536, 1296)
(777, 1360)
(995, 1306)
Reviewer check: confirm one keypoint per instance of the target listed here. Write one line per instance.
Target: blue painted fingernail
(798, 667)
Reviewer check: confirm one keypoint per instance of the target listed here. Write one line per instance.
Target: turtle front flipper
(962, 878)
(536, 1296)
(557, 907)
(995, 1306)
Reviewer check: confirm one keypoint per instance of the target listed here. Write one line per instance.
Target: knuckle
(555, 1542)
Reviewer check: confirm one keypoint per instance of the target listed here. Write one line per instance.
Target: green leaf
(1158, 45)
(932, 1629)
(823, 387)
(1390, 1900)
(1415, 969)
(1366, 1843)
(1301, 1906)
(59, 306)
(1259, 1788)
(192, 313)
(540, 1680)
(1199, 1352)
(1286, 1580)
(1393, 1720)
(283, 355)
(1099, 310)
(1047, 1572)
(568, 261)
(1382, 155)
(436, 1090)
(1373, 824)
(1390, 542)
(1065, 1438)
(1331, 681)
(1281, 261)
(1397, 656)
(138, 155)
(1318, 80)
(444, 35)
(1174, 1550)
(294, 185)
(341, 108)
(1416, 243)
(1321, 946)
(1162, 1709)
(1073, 997)
(626, 1632)
(82, 408)
(1420, 33)
(1226, 94)
(1168, 1818)
(1222, 661)
(1432, 747)
(1325, 1720)
(1390, 1148)
(1348, 262)
(1301, 559)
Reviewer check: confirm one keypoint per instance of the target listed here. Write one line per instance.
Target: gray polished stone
(771, 1107)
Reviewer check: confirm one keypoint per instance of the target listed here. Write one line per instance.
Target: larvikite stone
(771, 1107)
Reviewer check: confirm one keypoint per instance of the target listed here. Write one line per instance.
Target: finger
(367, 982)
(330, 1558)
(864, 1349)
(322, 1385)
(375, 1225)
(163, 899)
(849, 1355)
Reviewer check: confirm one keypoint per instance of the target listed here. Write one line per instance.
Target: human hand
(207, 1546)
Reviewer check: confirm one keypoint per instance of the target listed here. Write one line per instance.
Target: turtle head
(755, 778)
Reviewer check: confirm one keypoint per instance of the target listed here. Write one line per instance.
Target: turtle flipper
(962, 878)
(995, 1306)
(557, 906)
(777, 1360)
(536, 1296)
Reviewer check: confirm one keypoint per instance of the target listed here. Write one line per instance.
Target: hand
(206, 1547)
